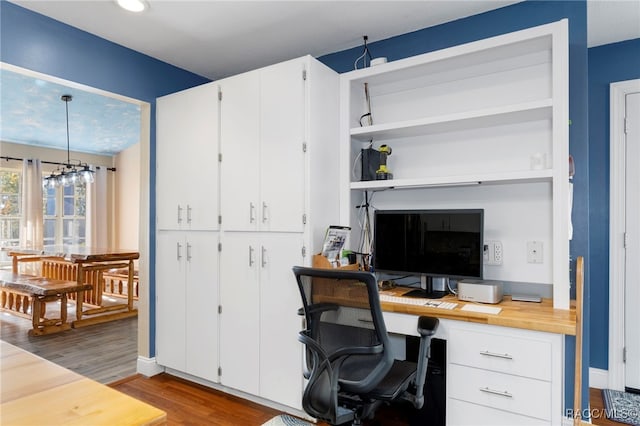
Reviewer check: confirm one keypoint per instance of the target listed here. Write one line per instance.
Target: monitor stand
(430, 288)
(424, 294)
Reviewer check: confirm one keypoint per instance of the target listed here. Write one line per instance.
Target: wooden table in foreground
(85, 264)
(35, 391)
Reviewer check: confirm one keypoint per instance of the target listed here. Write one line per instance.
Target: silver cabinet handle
(264, 257)
(250, 256)
(496, 392)
(264, 212)
(188, 252)
(188, 213)
(496, 355)
(178, 251)
(179, 214)
(252, 209)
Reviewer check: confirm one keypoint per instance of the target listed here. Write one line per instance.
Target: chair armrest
(427, 327)
(318, 307)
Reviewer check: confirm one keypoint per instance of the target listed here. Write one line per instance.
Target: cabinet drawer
(519, 395)
(462, 413)
(503, 353)
(401, 323)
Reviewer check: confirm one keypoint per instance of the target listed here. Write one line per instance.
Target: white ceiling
(216, 38)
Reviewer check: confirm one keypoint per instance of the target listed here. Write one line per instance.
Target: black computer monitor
(430, 243)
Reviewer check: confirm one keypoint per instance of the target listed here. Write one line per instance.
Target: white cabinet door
(201, 317)
(262, 142)
(282, 138)
(187, 300)
(259, 324)
(240, 318)
(280, 352)
(187, 159)
(170, 300)
(239, 134)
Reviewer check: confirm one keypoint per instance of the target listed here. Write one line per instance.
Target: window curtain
(32, 226)
(96, 214)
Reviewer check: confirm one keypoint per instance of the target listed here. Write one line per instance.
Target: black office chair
(349, 364)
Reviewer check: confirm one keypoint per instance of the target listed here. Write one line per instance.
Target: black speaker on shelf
(370, 163)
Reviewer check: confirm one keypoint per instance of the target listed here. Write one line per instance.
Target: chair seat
(395, 382)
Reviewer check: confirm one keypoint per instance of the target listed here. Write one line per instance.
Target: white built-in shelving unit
(480, 125)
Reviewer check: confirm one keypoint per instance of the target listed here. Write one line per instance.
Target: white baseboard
(598, 378)
(148, 366)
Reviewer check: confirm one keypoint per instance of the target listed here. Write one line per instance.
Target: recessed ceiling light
(133, 5)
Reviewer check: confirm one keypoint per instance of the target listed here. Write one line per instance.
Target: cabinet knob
(188, 213)
(263, 258)
(188, 252)
(252, 216)
(179, 214)
(178, 251)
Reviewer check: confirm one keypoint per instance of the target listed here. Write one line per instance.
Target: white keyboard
(417, 301)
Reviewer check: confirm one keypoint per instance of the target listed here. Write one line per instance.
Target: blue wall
(35, 42)
(512, 18)
(607, 64)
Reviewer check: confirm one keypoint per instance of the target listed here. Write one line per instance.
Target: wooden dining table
(34, 391)
(84, 264)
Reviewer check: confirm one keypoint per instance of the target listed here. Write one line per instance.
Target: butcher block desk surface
(34, 391)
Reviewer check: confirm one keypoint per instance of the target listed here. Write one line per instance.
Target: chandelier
(68, 174)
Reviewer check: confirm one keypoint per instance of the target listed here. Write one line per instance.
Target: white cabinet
(262, 143)
(278, 186)
(259, 323)
(503, 375)
(187, 159)
(480, 125)
(186, 302)
(279, 194)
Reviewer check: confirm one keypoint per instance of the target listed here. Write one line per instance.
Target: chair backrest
(347, 347)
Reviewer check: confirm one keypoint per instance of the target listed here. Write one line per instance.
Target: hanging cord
(364, 220)
(365, 54)
(67, 99)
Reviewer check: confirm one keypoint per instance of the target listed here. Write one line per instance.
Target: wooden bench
(27, 296)
(115, 283)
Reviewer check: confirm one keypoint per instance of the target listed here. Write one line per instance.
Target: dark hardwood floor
(187, 403)
(107, 353)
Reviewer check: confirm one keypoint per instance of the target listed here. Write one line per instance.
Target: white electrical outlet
(492, 253)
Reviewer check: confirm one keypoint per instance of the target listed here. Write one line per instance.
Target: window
(64, 215)
(64, 211)
(10, 199)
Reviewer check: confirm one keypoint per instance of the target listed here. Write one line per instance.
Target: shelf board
(526, 176)
(523, 112)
